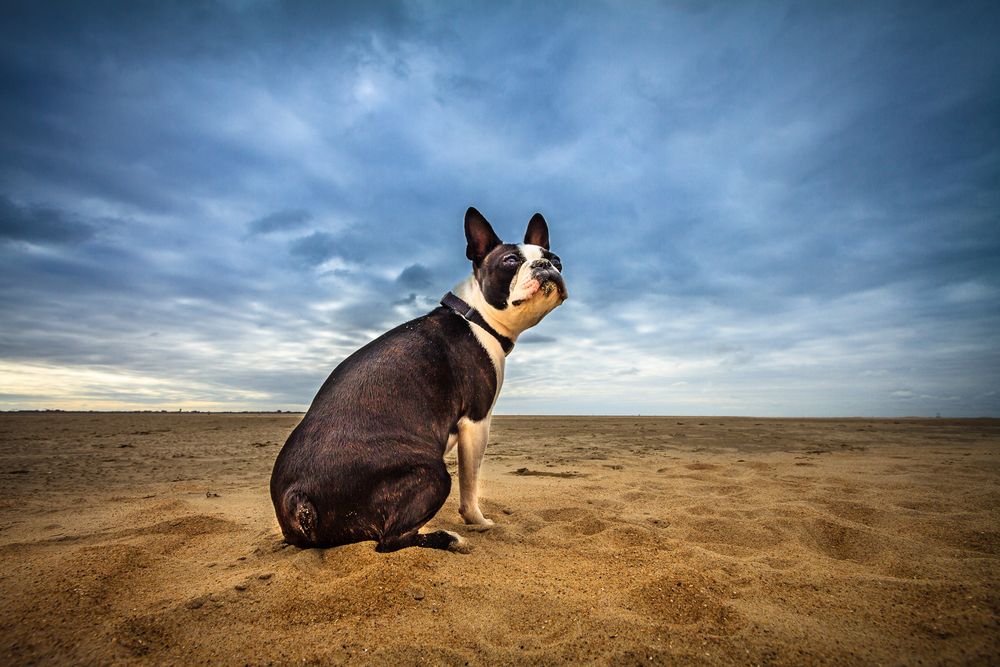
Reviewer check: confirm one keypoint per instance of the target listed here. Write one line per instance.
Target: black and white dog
(367, 460)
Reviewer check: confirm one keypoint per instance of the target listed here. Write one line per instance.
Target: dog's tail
(302, 520)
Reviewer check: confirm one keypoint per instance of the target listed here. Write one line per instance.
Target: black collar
(474, 316)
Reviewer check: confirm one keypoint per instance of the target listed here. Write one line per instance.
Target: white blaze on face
(523, 286)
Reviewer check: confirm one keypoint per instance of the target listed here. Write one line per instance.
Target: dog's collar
(474, 316)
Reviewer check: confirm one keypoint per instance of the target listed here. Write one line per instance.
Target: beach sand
(150, 539)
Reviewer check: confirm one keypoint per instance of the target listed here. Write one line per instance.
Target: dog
(367, 460)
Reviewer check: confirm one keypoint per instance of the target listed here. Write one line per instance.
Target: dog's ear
(480, 236)
(538, 232)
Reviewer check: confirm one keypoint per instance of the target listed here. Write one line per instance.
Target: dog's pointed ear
(538, 232)
(479, 235)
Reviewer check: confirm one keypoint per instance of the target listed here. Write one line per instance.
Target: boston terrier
(367, 460)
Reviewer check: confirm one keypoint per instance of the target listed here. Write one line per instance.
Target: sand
(150, 539)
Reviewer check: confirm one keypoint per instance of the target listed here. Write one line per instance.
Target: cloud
(409, 300)
(280, 221)
(536, 339)
(40, 224)
(316, 248)
(415, 276)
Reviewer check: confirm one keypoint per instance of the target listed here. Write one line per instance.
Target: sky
(762, 208)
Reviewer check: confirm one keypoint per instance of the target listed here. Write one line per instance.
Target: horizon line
(556, 415)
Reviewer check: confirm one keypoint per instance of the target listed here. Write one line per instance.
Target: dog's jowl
(367, 460)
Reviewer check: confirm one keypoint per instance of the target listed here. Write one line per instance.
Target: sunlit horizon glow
(779, 209)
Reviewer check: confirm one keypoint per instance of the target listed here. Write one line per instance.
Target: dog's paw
(474, 519)
(458, 544)
(482, 525)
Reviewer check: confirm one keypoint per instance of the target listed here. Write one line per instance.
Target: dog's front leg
(472, 439)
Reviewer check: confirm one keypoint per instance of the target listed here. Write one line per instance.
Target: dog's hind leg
(411, 501)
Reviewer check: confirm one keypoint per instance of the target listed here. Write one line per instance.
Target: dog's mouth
(547, 282)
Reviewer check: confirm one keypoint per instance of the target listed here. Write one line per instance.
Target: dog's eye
(556, 262)
(511, 259)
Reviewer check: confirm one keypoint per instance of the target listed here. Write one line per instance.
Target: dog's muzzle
(543, 271)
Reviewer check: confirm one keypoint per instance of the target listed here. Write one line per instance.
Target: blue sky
(762, 208)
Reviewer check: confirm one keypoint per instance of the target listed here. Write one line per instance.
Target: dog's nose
(541, 264)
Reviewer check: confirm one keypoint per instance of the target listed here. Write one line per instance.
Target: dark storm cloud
(769, 208)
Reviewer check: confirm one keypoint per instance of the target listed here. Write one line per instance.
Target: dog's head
(523, 281)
